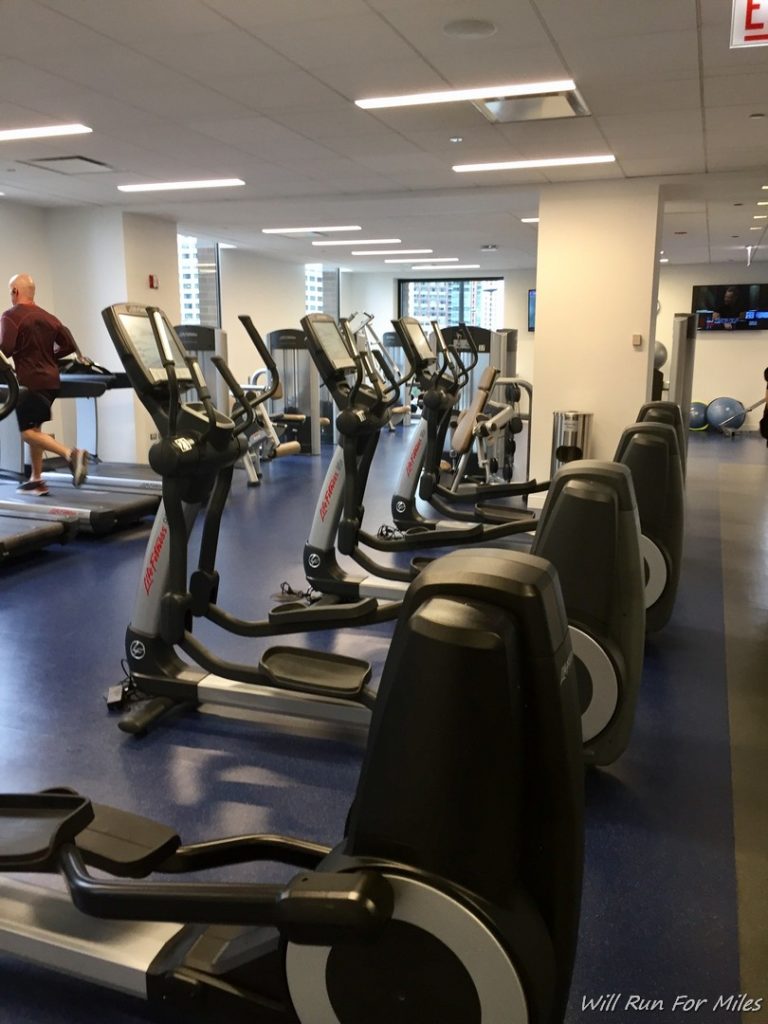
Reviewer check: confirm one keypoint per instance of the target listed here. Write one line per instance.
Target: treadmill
(85, 382)
(95, 510)
(25, 532)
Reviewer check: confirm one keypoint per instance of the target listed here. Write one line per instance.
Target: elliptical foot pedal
(36, 825)
(328, 608)
(328, 675)
(124, 844)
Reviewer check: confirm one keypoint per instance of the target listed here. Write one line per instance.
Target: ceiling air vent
(69, 165)
(542, 107)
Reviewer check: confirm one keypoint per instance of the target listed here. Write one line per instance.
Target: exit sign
(749, 26)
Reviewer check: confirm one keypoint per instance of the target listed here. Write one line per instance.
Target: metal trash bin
(570, 437)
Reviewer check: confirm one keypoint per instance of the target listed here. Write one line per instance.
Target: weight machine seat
(464, 431)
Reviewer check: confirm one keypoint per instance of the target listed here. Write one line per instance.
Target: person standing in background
(37, 340)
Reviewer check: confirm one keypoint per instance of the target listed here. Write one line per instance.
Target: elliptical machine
(195, 457)
(453, 896)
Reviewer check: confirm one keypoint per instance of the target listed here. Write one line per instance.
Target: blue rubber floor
(659, 918)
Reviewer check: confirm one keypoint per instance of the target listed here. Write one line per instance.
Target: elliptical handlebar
(9, 381)
(244, 416)
(460, 371)
(155, 316)
(266, 357)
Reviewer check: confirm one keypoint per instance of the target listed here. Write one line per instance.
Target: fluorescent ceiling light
(529, 220)
(173, 186)
(427, 259)
(44, 133)
(456, 266)
(457, 95)
(760, 216)
(763, 202)
(520, 165)
(304, 231)
(387, 252)
(757, 228)
(226, 245)
(363, 241)
(664, 259)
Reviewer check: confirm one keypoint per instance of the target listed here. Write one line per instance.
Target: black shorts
(34, 408)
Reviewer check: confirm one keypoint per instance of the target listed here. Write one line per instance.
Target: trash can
(570, 437)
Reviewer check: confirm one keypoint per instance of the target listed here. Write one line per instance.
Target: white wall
(516, 286)
(271, 293)
(24, 250)
(370, 293)
(727, 363)
(596, 273)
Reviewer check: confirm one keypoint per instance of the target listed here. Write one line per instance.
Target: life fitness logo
(326, 502)
(749, 24)
(154, 558)
(412, 458)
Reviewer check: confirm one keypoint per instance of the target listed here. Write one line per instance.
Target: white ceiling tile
(603, 19)
(136, 19)
(325, 40)
(670, 56)
(606, 95)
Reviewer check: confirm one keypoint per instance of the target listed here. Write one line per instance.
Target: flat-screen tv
(531, 309)
(731, 307)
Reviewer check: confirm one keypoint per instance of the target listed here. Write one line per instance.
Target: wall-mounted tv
(731, 307)
(531, 309)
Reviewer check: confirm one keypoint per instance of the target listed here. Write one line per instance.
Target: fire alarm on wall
(153, 281)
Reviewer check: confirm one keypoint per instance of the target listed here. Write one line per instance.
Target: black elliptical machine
(168, 667)
(453, 896)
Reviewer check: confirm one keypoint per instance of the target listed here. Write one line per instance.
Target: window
(475, 301)
(199, 280)
(321, 289)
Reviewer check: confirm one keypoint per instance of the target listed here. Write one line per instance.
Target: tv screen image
(531, 309)
(731, 307)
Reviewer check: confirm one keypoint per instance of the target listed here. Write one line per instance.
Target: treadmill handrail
(10, 383)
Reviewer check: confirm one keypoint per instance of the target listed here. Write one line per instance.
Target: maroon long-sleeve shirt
(36, 340)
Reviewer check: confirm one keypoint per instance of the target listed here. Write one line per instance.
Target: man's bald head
(22, 288)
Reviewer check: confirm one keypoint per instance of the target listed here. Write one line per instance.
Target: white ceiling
(264, 89)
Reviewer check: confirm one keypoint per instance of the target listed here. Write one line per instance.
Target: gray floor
(742, 490)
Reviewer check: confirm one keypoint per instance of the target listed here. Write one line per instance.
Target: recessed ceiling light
(456, 266)
(362, 241)
(529, 220)
(49, 131)
(470, 28)
(386, 252)
(176, 186)
(664, 259)
(304, 231)
(738, 204)
(520, 165)
(426, 259)
(457, 95)
(661, 252)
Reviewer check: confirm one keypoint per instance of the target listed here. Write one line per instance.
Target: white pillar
(596, 285)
